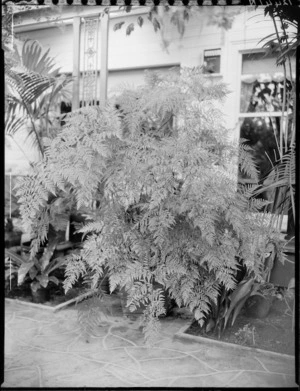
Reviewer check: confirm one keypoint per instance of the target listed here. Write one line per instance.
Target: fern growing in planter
(171, 211)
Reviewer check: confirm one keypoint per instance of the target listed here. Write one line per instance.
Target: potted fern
(163, 168)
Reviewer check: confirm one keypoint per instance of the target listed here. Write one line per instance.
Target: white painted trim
(212, 75)
(261, 114)
(238, 91)
(141, 67)
(68, 19)
(249, 41)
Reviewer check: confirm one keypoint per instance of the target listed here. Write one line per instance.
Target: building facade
(102, 58)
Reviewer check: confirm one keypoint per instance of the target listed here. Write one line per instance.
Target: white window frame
(255, 114)
(241, 115)
(217, 74)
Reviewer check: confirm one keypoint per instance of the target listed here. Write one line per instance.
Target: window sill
(212, 74)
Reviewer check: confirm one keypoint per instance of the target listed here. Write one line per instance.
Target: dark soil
(273, 333)
(56, 293)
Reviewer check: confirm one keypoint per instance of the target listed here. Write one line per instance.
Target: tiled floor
(45, 349)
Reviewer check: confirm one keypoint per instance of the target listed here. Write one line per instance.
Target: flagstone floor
(46, 349)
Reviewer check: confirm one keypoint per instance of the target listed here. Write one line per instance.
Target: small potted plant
(259, 303)
(37, 270)
(254, 292)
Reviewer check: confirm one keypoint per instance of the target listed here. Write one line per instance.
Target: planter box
(282, 274)
(207, 342)
(59, 307)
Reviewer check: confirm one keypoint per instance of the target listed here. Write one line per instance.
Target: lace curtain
(263, 94)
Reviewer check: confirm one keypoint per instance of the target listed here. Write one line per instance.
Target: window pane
(261, 96)
(262, 83)
(212, 61)
(258, 63)
(260, 133)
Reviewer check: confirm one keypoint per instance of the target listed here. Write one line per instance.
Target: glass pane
(258, 63)
(260, 133)
(212, 61)
(263, 95)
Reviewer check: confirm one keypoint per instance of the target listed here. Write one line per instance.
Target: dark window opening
(212, 61)
(65, 108)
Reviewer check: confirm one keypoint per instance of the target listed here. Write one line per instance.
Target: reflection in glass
(263, 95)
(261, 134)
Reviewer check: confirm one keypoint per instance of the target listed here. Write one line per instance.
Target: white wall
(60, 42)
(128, 56)
(142, 48)
(19, 152)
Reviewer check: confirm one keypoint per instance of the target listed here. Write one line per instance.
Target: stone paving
(46, 349)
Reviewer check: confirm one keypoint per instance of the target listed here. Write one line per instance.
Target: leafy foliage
(91, 314)
(171, 210)
(33, 88)
(286, 41)
(160, 16)
(37, 270)
(280, 181)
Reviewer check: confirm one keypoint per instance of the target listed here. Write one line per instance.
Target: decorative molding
(90, 60)
(66, 18)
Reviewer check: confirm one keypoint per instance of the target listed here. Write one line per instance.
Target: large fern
(171, 210)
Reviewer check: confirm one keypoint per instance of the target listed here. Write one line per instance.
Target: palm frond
(34, 60)
(33, 88)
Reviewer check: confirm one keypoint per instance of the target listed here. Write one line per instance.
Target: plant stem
(21, 149)
(284, 91)
(34, 130)
(47, 111)
(291, 80)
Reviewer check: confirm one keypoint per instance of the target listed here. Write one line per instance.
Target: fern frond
(170, 206)
(75, 267)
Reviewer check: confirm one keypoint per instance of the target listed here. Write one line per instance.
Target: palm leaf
(14, 257)
(32, 89)
(13, 120)
(33, 59)
(239, 294)
(31, 85)
(281, 180)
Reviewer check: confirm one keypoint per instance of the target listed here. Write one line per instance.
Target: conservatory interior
(150, 196)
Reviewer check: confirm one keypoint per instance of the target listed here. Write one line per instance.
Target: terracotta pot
(258, 306)
(41, 295)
